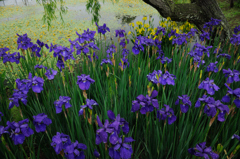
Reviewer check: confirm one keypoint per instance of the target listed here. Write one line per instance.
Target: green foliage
(238, 3)
(115, 90)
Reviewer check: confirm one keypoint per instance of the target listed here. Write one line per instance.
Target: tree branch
(197, 12)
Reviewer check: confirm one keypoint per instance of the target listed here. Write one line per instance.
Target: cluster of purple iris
(235, 40)
(111, 49)
(117, 145)
(84, 43)
(8, 57)
(197, 53)
(157, 77)
(62, 142)
(23, 86)
(24, 43)
(18, 131)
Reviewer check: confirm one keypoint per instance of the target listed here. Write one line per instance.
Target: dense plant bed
(168, 97)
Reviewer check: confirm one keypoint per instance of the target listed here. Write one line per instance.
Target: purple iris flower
(150, 99)
(213, 22)
(41, 121)
(93, 46)
(41, 44)
(3, 51)
(73, 43)
(63, 100)
(16, 97)
(35, 50)
(89, 105)
(167, 78)
(66, 53)
(118, 122)
(60, 142)
(125, 52)
(192, 32)
(235, 93)
(52, 47)
(84, 82)
(172, 33)
(123, 42)
(160, 30)
(204, 35)
(8, 57)
(102, 133)
(81, 49)
(233, 76)
(82, 38)
(110, 50)
(90, 34)
(102, 29)
(209, 86)
(50, 73)
(235, 39)
(60, 63)
(199, 50)
(148, 103)
(212, 67)
(180, 39)
(96, 154)
(166, 60)
(124, 63)
(120, 32)
(224, 55)
(149, 42)
(36, 83)
(185, 103)
(202, 151)
(198, 60)
(19, 130)
(237, 29)
(39, 67)
(141, 40)
(140, 100)
(154, 77)
(158, 43)
(17, 57)
(160, 53)
(57, 50)
(24, 42)
(3, 131)
(166, 112)
(236, 137)
(106, 61)
(211, 109)
(137, 48)
(121, 149)
(73, 151)
(1, 115)
(204, 99)
(19, 94)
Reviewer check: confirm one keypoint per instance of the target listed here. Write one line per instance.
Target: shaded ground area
(232, 14)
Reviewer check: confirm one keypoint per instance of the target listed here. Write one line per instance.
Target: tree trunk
(231, 4)
(197, 12)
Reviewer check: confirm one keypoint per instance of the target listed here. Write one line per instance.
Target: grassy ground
(232, 14)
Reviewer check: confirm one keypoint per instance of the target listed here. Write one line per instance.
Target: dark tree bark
(231, 4)
(197, 12)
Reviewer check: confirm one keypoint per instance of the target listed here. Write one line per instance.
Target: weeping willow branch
(50, 8)
(93, 7)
